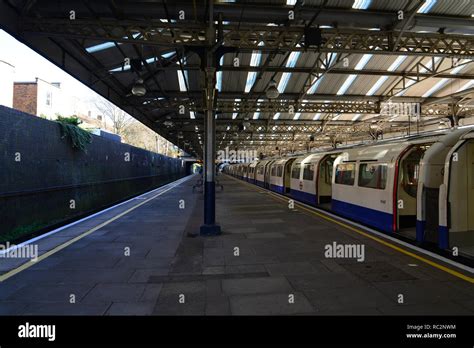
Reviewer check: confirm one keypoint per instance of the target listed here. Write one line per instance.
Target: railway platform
(142, 258)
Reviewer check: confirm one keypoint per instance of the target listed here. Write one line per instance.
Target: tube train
(420, 188)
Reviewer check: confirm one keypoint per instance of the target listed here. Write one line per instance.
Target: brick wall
(25, 97)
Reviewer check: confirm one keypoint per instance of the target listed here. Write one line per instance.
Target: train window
(345, 174)
(308, 171)
(295, 171)
(273, 171)
(325, 172)
(329, 171)
(280, 170)
(410, 171)
(373, 175)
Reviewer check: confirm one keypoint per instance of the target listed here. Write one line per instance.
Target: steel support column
(210, 228)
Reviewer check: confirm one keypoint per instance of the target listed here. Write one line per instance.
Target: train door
(268, 167)
(459, 230)
(287, 175)
(470, 188)
(406, 191)
(324, 181)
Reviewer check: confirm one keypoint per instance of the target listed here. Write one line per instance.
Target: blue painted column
(210, 228)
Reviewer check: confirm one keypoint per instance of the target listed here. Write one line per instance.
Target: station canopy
(290, 75)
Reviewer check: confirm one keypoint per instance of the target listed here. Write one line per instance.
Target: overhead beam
(421, 71)
(261, 13)
(309, 70)
(250, 106)
(289, 107)
(305, 70)
(259, 38)
(151, 98)
(264, 126)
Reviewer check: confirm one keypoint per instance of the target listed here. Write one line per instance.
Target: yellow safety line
(381, 241)
(60, 247)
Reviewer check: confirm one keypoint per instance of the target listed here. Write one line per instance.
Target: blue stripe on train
(277, 188)
(371, 217)
(420, 230)
(443, 234)
(443, 238)
(303, 196)
(260, 183)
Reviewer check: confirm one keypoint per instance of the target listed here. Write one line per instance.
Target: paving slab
(270, 304)
(247, 286)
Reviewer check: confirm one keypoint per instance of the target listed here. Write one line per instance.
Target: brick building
(38, 97)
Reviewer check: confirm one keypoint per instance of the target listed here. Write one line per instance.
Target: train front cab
(456, 198)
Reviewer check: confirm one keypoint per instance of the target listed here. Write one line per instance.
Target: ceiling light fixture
(138, 88)
(272, 90)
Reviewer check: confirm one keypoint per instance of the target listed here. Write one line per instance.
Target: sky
(29, 65)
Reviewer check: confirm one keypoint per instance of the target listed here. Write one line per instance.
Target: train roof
(315, 157)
(380, 152)
(283, 160)
(469, 133)
(383, 150)
(253, 164)
(389, 151)
(265, 161)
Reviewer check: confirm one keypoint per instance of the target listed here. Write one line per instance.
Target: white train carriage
(267, 174)
(456, 197)
(241, 171)
(377, 184)
(280, 175)
(260, 172)
(230, 169)
(446, 193)
(251, 172)
(420, 188)
(245, 169)
(311, 178)
(237, 171)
